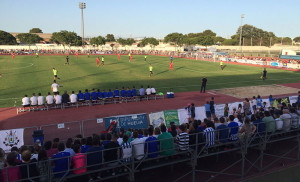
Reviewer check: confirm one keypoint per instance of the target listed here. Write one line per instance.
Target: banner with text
(134, 121)
(157, 118)
(11, 138)
(171, 116)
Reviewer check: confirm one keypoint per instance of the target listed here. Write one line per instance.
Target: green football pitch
(27, 75)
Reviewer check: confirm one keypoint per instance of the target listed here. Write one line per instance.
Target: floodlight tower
(241, 30)
(82, 6)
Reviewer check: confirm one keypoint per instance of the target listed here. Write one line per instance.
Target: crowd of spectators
(109, 149)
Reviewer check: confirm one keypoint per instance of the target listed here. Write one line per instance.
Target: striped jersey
(209, 136)
(183, 141)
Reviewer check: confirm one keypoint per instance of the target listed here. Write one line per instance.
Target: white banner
(183, 116)
(219, 110)
(11, 138)
(200, 113)
(157, 118)
(293, 99)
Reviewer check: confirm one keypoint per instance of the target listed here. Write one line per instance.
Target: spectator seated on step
(134, 93)
(153, 91)
(40, 100)
(142, 91)
(65, 98)
(116, 93)
(87, 95)
(49, 99)
(105, 94)
(80, 96)
(25, 101)
(148, 91)
(123, 93)
(73, 98)
(33, 100)
(94, 95)
(100, 94)
(58, 99)
(128, 93)
(110, 94)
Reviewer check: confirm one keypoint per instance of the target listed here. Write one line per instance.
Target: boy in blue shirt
(234, 128)
(110, 94)
(123, 92)
(207, 110)
(151, 144)
(100, 95)
(129, 93)
(117, 93)
(259, 101)
(80, 96)
(134, 94)
(105, 95)
(61, 161)
(87, 95)
(94, 95)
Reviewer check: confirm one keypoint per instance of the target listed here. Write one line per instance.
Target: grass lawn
(27, 74)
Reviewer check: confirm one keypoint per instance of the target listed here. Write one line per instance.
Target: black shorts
(55, 76)
(151, 72)
(55, 93)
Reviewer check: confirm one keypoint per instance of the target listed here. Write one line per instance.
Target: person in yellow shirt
(145, 57)
(55, 74)
(129, 55)
(221, 65)
(150, 70)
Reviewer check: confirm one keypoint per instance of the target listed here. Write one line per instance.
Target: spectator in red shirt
(11, 172)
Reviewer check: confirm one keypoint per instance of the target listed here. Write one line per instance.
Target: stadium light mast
(82, 6)
(242, 17)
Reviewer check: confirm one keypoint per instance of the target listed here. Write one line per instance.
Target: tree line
(251, 36)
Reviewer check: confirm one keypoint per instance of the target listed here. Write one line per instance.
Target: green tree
(230, 42)
(209, 33)
(284, 40)
(151, 41)
(218, 40)
(97, 41)
(297, 39)
(207, 41)
(66, 38)
(175, 38)
(110, 38)
(7, 38)
(35, 30)
(122, 41)
(29, 38)
(252, 35)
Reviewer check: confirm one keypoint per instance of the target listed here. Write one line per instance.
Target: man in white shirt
(138, 146)
(73, 97)
(148, 90)
(34, 100)
(58, 98)
(40, 100)
(54, 88)
(49, 99)
(153, 91)
(25, 101)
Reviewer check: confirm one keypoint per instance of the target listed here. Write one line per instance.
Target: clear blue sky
(156, 18)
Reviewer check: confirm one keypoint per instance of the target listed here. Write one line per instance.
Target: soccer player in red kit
(98, 61)
(171, 66)
(13, 55)
(119, 55)
(76, 55)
